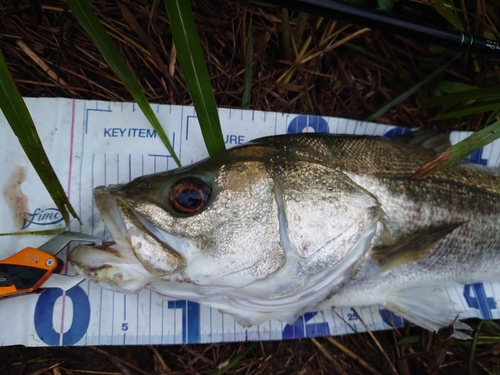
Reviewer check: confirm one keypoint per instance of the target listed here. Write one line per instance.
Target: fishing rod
(452, 39)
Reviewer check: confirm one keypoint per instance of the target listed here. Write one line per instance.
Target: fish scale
(307, 222)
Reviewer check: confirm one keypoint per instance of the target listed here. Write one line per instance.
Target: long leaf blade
(89, 21)
(459, 151)
(468, 111)
(480, 94)
(412, 90)
(449, 14)
(19, 118)
(238, 357)
(247, 91)
(194, 69)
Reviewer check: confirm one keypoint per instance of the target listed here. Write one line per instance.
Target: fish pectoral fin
(427, 307)
(412, 248)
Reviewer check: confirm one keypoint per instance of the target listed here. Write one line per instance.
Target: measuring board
(93, 143)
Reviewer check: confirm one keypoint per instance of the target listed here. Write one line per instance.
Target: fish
(292, 223)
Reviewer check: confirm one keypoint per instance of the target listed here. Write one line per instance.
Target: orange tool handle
(25, 271)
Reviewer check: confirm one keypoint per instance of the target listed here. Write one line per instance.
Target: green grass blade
(286, 35)
(236, 359)
(450, 87)
(386, 5)
(19, 118)
(484, 95)
(412, 90)
(89, 21)
(246, 97)
(449, 14)
(473, 346)
(301, 27)
(46, 232)
(468, 111)
(493, 115)
(365, 52)
(194, 69)
(459, 151)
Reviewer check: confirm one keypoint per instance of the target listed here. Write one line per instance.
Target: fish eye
(189, 195)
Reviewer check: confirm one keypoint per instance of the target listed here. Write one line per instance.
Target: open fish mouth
(156, 250)
(140, 250)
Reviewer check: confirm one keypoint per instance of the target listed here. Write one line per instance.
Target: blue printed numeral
(190, 320)
(351, 317)
(479, 300)
(396, 132)
(44, 313)
(301, 328)
(308, 122)
(392, 319)
(477, 157)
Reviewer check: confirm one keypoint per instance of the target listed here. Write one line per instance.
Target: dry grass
(51, 56)
(424, 353)
(333, 82)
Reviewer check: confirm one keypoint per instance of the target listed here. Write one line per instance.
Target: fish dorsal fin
(427, 307)
(430, 139)
(413, 248)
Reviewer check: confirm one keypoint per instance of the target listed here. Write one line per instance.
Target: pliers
(32, 270)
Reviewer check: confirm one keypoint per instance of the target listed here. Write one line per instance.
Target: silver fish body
(295, 223)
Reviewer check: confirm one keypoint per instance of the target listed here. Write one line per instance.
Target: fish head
(213, 222)
(249, 222)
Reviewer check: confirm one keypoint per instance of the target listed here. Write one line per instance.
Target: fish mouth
(110, 214)
(136, 241)
(157, 250)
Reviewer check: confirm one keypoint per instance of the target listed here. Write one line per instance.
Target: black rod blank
(385, 22)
